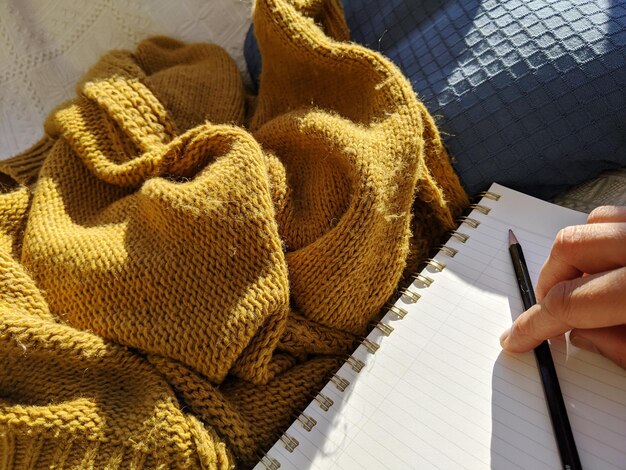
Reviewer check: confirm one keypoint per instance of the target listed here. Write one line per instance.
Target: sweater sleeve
(69, 399)
(24, 167)
(17, 175)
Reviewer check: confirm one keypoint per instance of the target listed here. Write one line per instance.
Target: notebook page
(440, 393)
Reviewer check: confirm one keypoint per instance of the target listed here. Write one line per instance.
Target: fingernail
(582, 343)
(504, 336)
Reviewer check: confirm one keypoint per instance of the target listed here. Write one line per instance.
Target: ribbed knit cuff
(18, 452)
(24, 167)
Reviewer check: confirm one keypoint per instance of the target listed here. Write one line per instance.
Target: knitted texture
(181, 268)
(530, 93)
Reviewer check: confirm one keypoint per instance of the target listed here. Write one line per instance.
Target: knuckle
(523, 329)
(558, 302)
(562, 243)
(569, 240)
(599, 213)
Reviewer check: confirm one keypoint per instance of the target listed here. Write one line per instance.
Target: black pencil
(552, 390)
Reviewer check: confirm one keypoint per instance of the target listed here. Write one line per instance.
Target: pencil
(558, 414)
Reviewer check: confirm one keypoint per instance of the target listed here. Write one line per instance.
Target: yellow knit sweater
(182, 267)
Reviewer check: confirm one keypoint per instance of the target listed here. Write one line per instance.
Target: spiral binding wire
(490, 195)
(307, 422)
(270, 463)
(425, 280)
(384, 328)
(356, 364)
(469, 221)
(398, 311)
(324, 402)
(482, 209)
(340, 382)
(460, 236)
(408, 293)
(435, 264)
(290, 442)
(371, 346)
(449, 251)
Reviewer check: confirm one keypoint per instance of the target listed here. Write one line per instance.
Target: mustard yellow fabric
(182, 267)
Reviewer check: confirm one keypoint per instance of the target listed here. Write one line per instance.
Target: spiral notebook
(430, 386)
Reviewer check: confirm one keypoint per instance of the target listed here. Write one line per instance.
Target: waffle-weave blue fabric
(531, 94)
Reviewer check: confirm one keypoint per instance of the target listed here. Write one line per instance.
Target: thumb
(609, 341)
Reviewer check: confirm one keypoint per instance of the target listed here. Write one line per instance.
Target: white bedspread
(46, 45)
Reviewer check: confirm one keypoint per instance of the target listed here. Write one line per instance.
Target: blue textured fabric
(530, 94)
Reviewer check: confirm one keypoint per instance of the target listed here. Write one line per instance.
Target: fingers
(605, 214)
(593, 301)
(610, 342)
(591, 248)
(581, 287)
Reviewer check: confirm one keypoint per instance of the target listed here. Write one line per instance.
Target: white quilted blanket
(46, 45)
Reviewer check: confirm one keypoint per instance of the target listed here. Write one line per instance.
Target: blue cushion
(530, 94)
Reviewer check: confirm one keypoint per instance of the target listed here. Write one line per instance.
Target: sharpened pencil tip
(512, 238)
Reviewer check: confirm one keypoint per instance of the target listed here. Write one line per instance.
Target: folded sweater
(183, 266)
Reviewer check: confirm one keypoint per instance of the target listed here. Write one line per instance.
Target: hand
(582, 288)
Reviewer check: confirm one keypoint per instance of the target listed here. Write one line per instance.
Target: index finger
(589, 302)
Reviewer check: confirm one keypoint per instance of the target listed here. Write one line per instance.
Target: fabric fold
(179, 279)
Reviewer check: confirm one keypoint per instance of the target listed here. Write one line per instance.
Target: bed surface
(46, 45)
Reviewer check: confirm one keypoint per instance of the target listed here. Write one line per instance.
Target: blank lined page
(440, 393)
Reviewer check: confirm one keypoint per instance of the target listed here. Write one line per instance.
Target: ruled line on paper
(440, 393)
